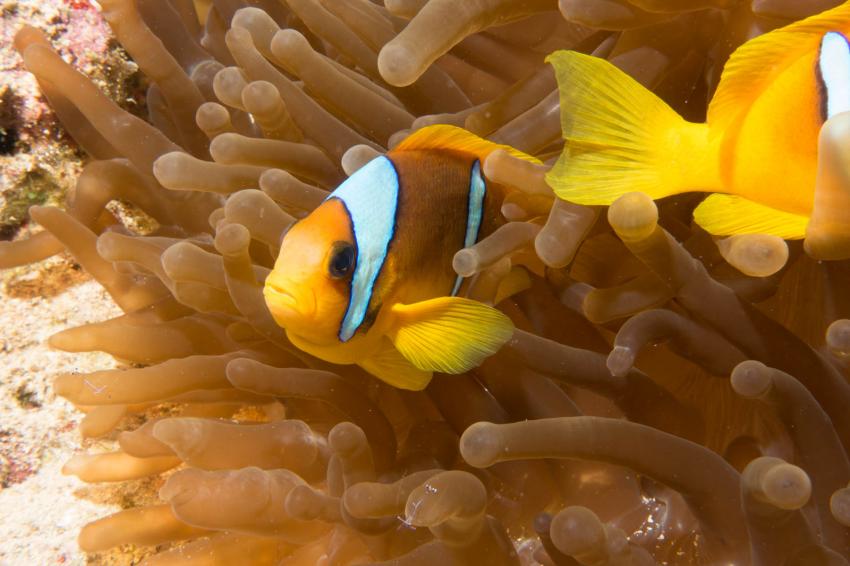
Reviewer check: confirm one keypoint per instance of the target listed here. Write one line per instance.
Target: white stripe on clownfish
(834, 67)
(475, 209)
(370, 197)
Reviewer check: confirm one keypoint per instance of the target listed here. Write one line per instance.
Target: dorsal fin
(443, 136)
(759, 61)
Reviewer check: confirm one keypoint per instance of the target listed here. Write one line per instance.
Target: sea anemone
(666, 398)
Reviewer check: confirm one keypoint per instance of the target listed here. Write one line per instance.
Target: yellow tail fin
(621, 138)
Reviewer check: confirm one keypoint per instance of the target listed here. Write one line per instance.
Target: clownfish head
(308, 290)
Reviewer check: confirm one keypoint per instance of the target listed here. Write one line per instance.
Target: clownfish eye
(342, 260)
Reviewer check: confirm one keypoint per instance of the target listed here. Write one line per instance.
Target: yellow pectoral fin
(390, 366)
(449, 334)
(728, 215)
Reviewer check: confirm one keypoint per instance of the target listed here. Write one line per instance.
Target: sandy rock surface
(41, 509)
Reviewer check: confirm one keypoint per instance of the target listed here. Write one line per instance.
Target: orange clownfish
(757, 150)
(367, 278)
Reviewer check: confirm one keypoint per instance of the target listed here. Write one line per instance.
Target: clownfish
(757, 151)
(366, 278)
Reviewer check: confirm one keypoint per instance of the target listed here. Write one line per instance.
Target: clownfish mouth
(279, 302)
(284, 306)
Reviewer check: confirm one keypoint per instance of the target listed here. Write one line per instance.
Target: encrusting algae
(666, 396)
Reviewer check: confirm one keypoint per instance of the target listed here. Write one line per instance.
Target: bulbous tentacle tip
(356, 157)
(838, 338)
(839, 505)
(74, 465)
(577, 531)
(465, 262)
(756, 255)
(42, 213)
(258, 22)
(346, 438)
(751, 379)
(620, 360)
(452, 502)
(633, 216)
(107, 246)
(240, 371)
(180, 488)
(66, 385)
(67, 340)
(174, 256)
(287, 40)
(303, 503)
(481, 444)
(214, 120)
(777, 483)
(183, 435)
(422, 509)
(232, 239)
(398, 65)
(170, 168)
(788, 487)
(28, 35)
(88, 539)
(827, 243)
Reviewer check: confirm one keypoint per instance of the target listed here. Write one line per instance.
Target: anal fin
(391, 367)
(728, 215)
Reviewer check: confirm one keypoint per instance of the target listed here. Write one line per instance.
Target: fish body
(367, 278)
(757, 150)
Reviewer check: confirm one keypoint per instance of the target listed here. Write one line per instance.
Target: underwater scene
(425, 282)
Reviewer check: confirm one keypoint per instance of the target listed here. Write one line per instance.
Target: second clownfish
(367, 278)
(757, 151)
